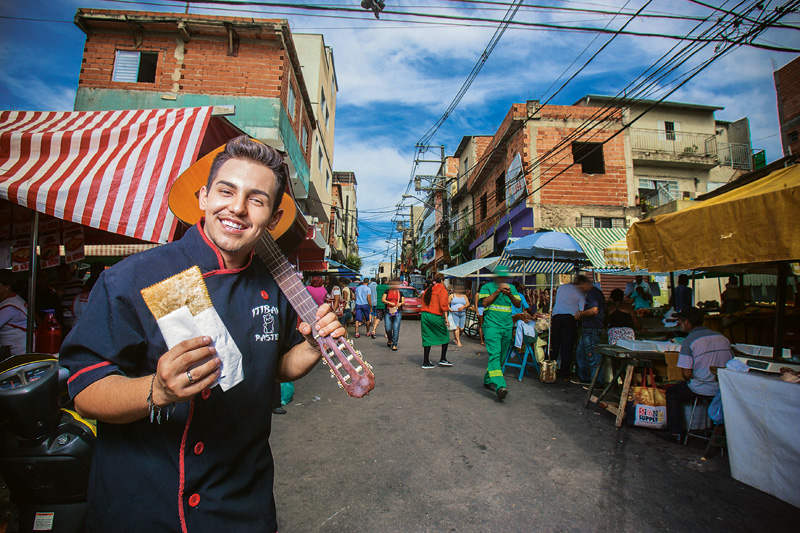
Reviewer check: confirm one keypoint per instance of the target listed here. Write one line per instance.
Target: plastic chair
(528, 358)
(705, 401)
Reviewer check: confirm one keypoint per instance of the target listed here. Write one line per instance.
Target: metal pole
(550, 312)
(780, 312)
(34, 266)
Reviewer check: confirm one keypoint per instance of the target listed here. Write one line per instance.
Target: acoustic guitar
(344, 362)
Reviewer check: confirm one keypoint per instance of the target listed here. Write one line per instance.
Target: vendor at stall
(701, 349)
(640, 294)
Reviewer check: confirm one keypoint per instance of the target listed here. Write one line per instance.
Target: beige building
(468, 153)
(679, 151)
(319, 73)
(385, 270)
(344, 217)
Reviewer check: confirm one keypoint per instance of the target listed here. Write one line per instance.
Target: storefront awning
(470, 268)
(594, 241)
(110, 170)
(534, 266)
(754, 224)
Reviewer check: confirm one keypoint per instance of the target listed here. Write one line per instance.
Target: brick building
(149, 60)
(343, 237)
(787, 87)
(511, 196)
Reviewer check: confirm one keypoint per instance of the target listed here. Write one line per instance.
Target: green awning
(594, 241)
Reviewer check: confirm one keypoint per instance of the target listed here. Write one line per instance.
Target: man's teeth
(232, 225)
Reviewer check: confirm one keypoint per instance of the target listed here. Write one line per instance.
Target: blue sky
(395, 78)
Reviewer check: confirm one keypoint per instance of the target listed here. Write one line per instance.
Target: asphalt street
(432, 450)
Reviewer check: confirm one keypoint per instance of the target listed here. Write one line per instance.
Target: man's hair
(581, 279)
(365, 280)
(617, 295)
(693, 315)
(683, 279)
(383, 281)
(243, 147)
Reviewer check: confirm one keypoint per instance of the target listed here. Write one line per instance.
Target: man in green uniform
(497, 297)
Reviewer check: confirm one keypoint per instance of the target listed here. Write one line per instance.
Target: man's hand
(326, 324)
(172, 383)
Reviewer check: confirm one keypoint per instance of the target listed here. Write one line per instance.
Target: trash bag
(715, 410)
(287, 393)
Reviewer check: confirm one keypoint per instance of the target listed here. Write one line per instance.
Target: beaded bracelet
(153, 409)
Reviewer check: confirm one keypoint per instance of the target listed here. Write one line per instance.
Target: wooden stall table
(628, 360)
(660, 332)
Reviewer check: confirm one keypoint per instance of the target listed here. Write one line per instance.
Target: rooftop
(591, 99)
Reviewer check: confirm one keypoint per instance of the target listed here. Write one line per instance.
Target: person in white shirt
(13, 315)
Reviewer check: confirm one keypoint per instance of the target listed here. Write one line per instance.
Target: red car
(413, 301)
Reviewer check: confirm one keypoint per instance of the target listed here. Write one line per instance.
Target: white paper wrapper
(180, 325)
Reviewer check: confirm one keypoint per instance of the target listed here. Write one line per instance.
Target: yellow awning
(616, 255)
(756, 223)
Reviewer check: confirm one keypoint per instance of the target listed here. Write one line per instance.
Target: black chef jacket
(209, 467)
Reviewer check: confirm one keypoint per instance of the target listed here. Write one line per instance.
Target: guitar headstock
(347, 365)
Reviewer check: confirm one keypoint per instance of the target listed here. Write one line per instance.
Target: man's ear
(276, 218)
(202, 198)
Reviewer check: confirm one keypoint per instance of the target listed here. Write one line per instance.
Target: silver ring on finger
(189, 375)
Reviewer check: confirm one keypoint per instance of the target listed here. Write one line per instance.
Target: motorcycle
(45, 447)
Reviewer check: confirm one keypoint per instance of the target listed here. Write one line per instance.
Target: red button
(194, 500)
(206, 393)
(198, 448)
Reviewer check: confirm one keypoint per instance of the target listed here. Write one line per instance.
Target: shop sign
(485, 248)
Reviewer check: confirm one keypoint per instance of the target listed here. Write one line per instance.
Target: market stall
(750, 228)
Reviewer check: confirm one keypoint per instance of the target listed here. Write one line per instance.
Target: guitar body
(185, 192)
(345, 363)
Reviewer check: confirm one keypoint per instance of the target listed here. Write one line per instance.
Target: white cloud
(39, 94)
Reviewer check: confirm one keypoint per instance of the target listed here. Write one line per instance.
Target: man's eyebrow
(252, 191)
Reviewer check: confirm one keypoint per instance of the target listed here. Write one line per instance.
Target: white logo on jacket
(268, 314)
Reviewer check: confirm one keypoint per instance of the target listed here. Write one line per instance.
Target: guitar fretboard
(287, 278)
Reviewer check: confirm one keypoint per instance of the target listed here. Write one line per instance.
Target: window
(590, 157)
(324, 105)
(669, 130)
(291, 102)
(602, 222)
(465, 216)
(483, 207)
(319, 158)
(304, 140)
(500, 189)
(135, 67)
(657, 192)
(327, 180)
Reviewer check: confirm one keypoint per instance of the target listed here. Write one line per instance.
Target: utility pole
(435, 187)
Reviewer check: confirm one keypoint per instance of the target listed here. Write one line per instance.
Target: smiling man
(205, 464)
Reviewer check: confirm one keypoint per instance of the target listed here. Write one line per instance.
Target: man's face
(638, 279)
(684, 325)
(585, 286)
(239, 207)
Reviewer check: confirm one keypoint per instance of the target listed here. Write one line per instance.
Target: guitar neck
(287, 278)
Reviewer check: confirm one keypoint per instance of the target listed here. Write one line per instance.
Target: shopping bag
(547, 371)
(287, 393)
(648, 395)
(649, 404)
(451, 324)
(650, 416)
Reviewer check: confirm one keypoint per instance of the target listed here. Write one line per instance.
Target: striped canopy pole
(552, 273)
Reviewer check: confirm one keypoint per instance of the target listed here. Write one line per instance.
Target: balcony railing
(677, 143)
(692, 148)
(737, 156)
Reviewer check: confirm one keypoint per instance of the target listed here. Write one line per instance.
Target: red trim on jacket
(182, 480)
(87, 369)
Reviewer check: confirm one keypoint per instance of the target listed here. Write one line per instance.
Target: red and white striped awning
(110, 170)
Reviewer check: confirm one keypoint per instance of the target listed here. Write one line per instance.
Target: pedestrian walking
(433, 321)
(317, 291)
(459, 302)
(348, 299)
(393, 301)
(363, 306)
(380, 307)
(570, 299)
(497, 298)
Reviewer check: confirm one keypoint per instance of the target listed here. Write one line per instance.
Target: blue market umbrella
(548, 245)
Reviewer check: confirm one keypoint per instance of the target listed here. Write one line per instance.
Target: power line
(498, 34)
